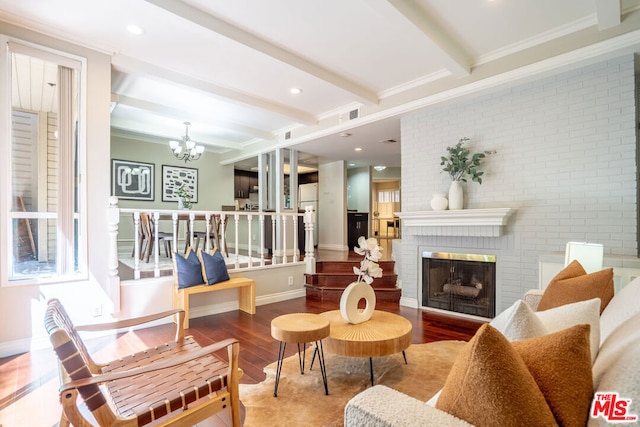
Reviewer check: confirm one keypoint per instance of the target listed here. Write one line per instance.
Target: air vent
(353, 114)
(287, 135)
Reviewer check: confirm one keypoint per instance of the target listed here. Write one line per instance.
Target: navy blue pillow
(188, 269)
(214, 267)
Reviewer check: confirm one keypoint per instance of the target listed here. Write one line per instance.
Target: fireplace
(461, 283)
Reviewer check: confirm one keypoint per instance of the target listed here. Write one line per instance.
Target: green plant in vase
(460, 164)
(184, 196)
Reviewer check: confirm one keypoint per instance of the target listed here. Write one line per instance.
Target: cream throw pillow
(565, 316)
(519, 322)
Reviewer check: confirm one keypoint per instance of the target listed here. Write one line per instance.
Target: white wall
(566, 159)
(332, 206)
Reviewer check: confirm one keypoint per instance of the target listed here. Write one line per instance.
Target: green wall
(215, 181)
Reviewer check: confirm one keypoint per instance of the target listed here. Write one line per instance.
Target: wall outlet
(96, 310)
(290, 280)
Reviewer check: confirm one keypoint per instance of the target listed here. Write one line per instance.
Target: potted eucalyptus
(184, 198)
(460, 164)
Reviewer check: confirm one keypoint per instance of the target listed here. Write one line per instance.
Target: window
(389, 196)
(42, 203)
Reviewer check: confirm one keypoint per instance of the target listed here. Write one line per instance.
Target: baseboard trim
(11, 348)
(409, 302)
(333, 247)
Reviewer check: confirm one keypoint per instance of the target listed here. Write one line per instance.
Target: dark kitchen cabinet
(244, 183)
(357, 225)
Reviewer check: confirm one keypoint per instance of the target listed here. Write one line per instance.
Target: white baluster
(274, 239)
(174, 223)
(207, 244)
(249, 220)
(114, 280)
(236, 217)
(296, 247)
(284, 238)
(261, 239)
(156, 245)
(136, 245)
(309, 258)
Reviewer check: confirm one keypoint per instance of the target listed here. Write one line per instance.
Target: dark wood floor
(30, 380)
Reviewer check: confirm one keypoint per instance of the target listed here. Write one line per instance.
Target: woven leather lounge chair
(178, 383)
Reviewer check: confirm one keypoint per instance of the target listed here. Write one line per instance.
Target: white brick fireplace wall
(565, 160)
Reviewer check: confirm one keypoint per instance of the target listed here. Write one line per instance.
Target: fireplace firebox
(461, 283)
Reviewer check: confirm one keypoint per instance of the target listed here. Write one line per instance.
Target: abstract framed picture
(174, 177)
(132, 180)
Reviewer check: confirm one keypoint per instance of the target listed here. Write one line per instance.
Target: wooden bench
(246, 295)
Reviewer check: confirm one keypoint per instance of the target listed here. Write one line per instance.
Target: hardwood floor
(29, 380)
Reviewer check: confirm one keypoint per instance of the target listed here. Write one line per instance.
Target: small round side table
(300, 328)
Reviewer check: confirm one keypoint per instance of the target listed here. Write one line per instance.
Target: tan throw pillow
(489, 384)
(573, 284)
(561, 366)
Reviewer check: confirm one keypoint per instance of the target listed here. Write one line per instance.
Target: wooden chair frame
(101, 386)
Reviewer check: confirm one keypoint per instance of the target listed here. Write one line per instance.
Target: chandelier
(186, 149)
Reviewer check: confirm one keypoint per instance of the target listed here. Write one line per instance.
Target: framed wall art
(174, 177)
(132, 180)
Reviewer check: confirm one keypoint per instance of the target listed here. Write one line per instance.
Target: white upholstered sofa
(616, 368)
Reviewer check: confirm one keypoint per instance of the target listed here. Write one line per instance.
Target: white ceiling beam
(171, 112)
(454, 57)
(217, 25)
(607, 13)
(131, 65)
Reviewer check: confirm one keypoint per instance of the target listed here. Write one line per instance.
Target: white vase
(456, 195)
(351, 296)
(180, 204)
(439, 202)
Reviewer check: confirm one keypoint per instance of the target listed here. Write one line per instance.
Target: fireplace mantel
(463, 222)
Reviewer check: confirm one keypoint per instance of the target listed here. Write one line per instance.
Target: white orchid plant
(369, 268)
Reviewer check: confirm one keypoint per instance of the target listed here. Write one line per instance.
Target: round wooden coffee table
(384, 334)
(300, 328)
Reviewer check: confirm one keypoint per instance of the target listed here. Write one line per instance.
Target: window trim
(69, 60)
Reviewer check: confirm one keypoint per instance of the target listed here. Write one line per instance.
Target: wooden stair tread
(332, 277)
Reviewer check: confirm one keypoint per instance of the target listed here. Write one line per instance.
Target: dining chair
(214, 235)
(395, 224)
(147, 240)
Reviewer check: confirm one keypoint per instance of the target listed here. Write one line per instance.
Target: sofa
(611, 365)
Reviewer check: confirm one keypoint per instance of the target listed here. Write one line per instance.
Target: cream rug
(301, 399)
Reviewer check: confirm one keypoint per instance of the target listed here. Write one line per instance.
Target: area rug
(301, 399)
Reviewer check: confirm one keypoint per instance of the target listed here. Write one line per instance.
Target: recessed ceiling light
(352, 164)
(358, 149)
(380, 168)
(135, 30)
(295, 91)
